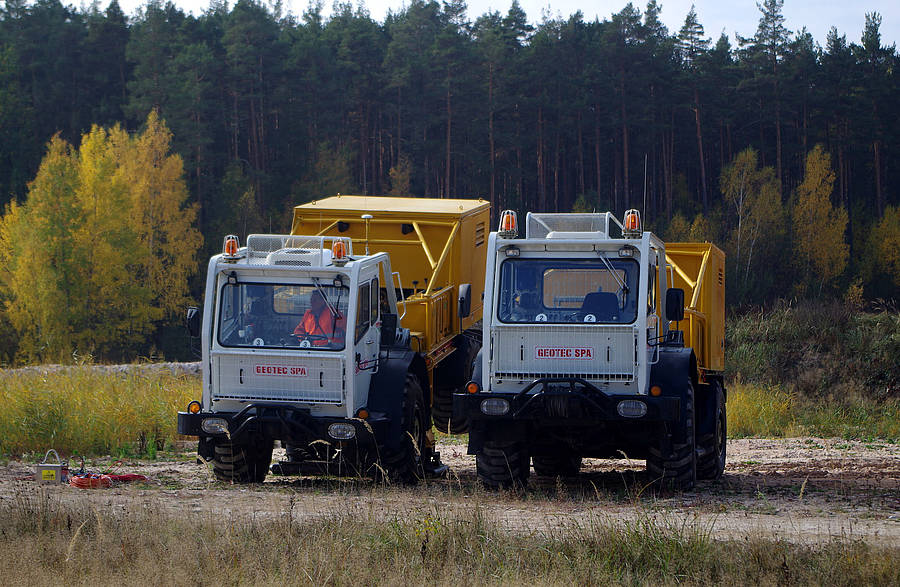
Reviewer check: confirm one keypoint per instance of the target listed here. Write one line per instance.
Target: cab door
(366, 333)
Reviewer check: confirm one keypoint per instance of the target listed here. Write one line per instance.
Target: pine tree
(876, 93)
(763, 54)
(692, 46)
(692, 42)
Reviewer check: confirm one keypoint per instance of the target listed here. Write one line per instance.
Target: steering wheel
(307, 340)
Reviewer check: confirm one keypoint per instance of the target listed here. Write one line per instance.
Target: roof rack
(297, 250)
(560, 225)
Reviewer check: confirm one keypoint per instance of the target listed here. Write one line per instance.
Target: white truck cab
(299, 343)
(576, 360)
(572, 303)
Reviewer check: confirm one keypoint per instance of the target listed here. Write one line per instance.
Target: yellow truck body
(434, 244)
(699, 269)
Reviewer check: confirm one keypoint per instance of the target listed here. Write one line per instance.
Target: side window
(228, 293)
(228, 312)
(374, 301)
(363, 308)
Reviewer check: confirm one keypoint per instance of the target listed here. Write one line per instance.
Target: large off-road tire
(711, 447)
(672, 461)
(404, 464)
(564, 464)
(242, 462)
(502, 464)
(450, 377)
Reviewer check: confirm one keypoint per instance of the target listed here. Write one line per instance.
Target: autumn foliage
(820, 248)
(708, 134)
(100, 252)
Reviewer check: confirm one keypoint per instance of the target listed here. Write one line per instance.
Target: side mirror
(388, 329)
(675, 304)
(192, 320)
(465, 300)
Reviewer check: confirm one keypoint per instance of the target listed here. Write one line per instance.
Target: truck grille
(593, 353)
(300, 379)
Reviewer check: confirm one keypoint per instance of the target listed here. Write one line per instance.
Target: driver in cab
(319, 326)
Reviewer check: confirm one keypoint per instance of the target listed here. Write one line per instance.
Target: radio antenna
(367, 217)
(644, 209)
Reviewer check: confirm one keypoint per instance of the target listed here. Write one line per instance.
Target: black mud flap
(675, 365)
(387, 388)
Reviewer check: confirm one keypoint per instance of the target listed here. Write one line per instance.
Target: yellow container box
(699, 269)
(435, 244)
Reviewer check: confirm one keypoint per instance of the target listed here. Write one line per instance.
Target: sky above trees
(732, 17)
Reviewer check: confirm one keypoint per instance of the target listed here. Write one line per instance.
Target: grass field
(45, 541)
(772, 411)
(89, 411)
(92, 412)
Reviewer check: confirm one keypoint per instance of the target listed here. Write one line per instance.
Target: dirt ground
(807, 490)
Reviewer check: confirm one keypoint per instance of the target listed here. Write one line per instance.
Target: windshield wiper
(328, 304)
(618, 279)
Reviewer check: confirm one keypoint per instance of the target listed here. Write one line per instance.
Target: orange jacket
(325, 326)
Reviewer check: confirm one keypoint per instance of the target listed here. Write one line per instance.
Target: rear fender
(675, 368)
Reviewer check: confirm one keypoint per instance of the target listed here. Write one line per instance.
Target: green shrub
(819, 349)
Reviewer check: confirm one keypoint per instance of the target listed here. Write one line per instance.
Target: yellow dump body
(699, 269)
(434, 244)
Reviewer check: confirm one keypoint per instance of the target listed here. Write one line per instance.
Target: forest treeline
(780, 148)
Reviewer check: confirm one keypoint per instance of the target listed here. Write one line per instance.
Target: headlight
(631, 408)
(214, 425)
(341, 431)
(494, 407)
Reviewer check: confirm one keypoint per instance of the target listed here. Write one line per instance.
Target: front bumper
(551, 413)
(281, 422)
(564, 401)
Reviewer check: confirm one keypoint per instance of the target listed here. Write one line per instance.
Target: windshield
(568, 290)
(282, 315)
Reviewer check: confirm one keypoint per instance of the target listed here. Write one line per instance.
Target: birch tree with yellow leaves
(820, 249)
(100, 252)
(755, 217)
(885, 243)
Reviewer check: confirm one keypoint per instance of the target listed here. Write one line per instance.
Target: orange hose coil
(102, 481)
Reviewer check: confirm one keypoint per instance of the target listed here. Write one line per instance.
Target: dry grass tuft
(45, 541)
